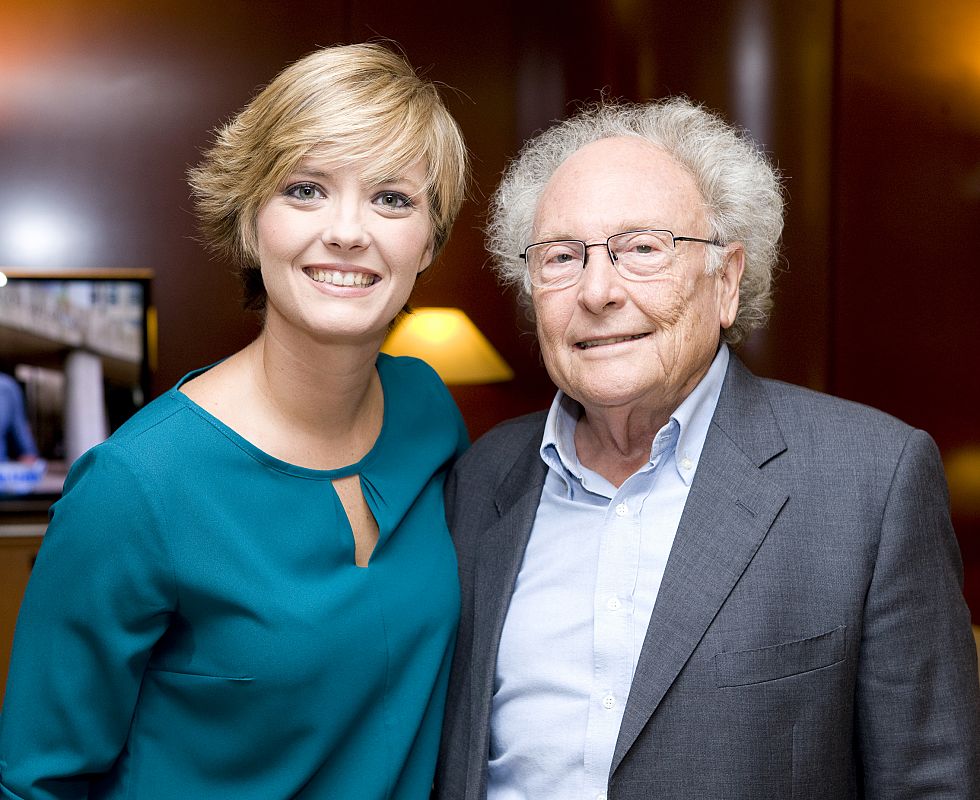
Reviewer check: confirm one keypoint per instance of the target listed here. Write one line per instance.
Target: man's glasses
(636, 255)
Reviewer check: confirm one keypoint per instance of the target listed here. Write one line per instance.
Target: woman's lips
(336, 277)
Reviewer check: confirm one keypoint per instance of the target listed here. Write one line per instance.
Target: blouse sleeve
(99, 597)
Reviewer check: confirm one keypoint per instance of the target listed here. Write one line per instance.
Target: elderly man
(684, 581)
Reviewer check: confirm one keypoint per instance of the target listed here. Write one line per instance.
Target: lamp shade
(452, 345)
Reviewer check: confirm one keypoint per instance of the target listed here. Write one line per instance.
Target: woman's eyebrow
(305, 168)
(395, 179)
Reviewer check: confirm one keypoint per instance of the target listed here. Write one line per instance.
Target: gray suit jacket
(810, 638)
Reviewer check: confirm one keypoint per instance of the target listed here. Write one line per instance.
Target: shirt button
(608, 701)
(622, 510)
(613, 604)
(600, 796)
(686, 463)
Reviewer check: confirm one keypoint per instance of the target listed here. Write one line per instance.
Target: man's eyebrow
(621, 227)
(545, 236)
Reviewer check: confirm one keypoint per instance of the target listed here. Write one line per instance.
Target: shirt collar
(687, 428)
(695, 413)
(558, 444)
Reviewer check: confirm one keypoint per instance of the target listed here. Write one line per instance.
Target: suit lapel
(729, 511)
(501, 553)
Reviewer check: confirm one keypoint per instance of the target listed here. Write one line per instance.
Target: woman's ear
(428, 257)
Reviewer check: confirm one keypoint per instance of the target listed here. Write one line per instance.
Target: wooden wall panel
(870, 110)
(17, 554)
(905, 323)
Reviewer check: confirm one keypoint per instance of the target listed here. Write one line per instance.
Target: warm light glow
(437, 327)
(963, 475)
(931, 50)
(451, 344)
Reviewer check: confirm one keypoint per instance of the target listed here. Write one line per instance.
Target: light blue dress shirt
(582, 603)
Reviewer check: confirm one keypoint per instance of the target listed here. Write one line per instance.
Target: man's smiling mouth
(612, 340)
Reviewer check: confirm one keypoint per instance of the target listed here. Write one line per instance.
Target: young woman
(249, 591)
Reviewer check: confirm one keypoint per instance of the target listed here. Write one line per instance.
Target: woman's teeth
(337, 278)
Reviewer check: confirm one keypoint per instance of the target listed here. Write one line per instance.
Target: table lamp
(451, 344)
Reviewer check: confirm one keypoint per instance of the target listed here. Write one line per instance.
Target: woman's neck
(313, 384)
(310, 403)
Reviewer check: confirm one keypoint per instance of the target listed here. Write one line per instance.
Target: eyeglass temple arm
(694, 239)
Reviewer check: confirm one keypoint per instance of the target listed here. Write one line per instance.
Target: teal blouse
(196, 627)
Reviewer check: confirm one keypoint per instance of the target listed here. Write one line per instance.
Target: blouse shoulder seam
(128, 459)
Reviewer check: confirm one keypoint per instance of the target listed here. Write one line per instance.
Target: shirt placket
(612, 634)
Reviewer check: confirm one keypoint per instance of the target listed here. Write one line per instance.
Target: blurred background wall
(871, 108)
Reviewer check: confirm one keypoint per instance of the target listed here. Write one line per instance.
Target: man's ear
(729, 278)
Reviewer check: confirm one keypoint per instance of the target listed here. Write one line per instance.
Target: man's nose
(600, 284)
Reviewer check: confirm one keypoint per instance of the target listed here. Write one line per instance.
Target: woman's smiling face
(338, 257)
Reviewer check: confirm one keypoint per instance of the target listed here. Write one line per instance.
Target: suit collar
(744, 413)
(527, 472)
(729, 511)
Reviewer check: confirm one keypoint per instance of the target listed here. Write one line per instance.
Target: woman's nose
(344, 227)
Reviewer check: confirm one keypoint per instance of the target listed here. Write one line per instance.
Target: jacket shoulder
(498, 449)
(812, 413)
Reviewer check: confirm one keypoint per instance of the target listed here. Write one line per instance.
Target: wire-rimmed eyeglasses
(637, 255)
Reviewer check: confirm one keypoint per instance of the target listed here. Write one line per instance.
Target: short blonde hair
(359, 104)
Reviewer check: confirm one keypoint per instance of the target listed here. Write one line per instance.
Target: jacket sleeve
(917, 687)
(99, 597)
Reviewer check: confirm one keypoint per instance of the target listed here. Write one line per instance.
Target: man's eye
(394, 200)
(305, 191)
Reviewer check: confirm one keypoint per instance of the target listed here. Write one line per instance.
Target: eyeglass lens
(638, 255)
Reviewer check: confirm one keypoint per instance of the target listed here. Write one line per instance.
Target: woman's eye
(305, 191)
(393, 200)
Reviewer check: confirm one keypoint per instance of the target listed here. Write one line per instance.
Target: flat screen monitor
(76, 357)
